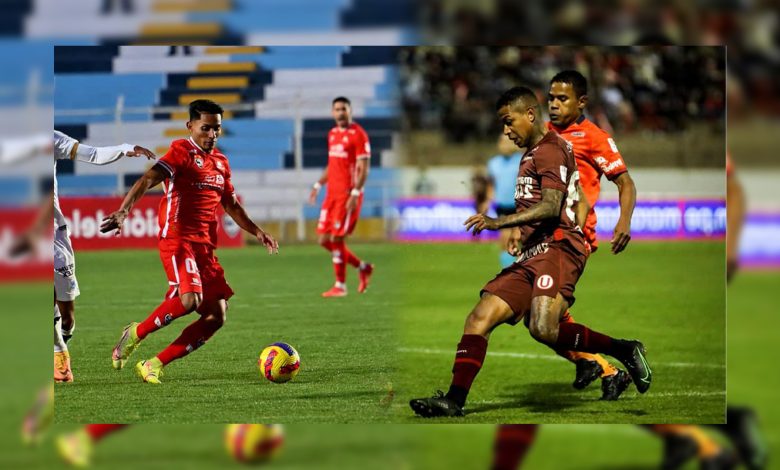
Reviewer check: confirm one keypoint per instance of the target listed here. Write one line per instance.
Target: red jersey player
(539, 286)
(348, 159)
(596, 155)
(196, 179)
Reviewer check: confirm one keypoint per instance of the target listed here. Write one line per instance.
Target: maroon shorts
(546, 269)
(192, 267)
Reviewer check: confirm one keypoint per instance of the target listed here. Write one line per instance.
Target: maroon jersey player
(196, 179)
(539, 286)
(349, 152)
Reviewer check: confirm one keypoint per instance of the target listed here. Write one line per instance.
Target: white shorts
(66, 287)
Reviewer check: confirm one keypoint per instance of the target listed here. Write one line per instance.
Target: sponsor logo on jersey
(533, 251)
(612, 145)
(606, 167)
(578, 134)
(545, 281)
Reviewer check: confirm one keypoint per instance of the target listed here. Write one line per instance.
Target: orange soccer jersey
(596, 155)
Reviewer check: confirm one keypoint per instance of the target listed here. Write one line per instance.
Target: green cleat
(149, 371)
(75, 448)
(128, 343)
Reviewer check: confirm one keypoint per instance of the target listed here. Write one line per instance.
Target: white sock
(341, 285)
(59, 343)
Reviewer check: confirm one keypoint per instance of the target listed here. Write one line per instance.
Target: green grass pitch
(346, 345)
(669, 295)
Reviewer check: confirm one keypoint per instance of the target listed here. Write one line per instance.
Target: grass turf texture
(668, 295)
(343, 343)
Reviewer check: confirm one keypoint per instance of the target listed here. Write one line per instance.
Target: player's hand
(139, 151)
(352, 203)
(22, 245)
(113, 221)
(479, 222)
(621, 237)
(313, 195)
(513, 242)
(268, 241)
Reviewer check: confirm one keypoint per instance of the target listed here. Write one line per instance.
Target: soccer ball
(279, 363)
(253, 443)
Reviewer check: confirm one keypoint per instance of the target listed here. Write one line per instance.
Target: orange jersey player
(196, 177)
(349, 152)
(596, 155)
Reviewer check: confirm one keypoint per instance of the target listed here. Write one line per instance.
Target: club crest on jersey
(545, 281)
(198, 161)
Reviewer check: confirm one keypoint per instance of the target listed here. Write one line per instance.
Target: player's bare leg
(545, 326)
(132, 335)
(489, 312)
(212, 316)
(512, 444)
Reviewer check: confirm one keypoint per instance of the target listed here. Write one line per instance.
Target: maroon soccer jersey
(548, 165)
(345, 148)
(197, 183)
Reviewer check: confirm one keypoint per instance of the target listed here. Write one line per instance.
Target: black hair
(577, 81)
(199, 107)
(341, 99)
(509, 97)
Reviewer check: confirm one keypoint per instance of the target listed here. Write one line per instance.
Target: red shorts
(334, 217)
(546, 269)
(192, 267)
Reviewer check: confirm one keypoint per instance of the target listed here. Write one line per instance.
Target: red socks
(468, 361)
(99, 431)
(339, 267)
(165, 313)
(578, 337)
(191, 338)
(512, 443)
(350, 257)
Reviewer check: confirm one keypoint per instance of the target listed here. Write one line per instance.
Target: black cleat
(614, 385)
(678, 451)
(435, 406)
(723, 460)
(743, 432)
(587, 372)
(636, 364)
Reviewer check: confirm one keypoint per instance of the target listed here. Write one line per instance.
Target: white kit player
(66, 288)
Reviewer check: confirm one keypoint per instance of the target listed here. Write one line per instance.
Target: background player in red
(349, 152)
(596, 155)
(196, 179)
(539, 287)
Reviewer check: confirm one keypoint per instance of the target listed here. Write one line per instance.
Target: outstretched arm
(548, 207)
(236, 212)
(150, 179)
(106, 155)
(627, 195)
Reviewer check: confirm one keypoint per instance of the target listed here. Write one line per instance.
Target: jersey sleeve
(362, 145)
(64, 146)
(607, 156)
(229, 191)
(551, 167)
(173, 160)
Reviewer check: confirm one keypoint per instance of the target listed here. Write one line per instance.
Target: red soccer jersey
(345, 148)
(596, 155)
(196, 184)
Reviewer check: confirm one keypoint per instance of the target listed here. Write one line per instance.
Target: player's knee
(191, 301)
(478, 322)
(542, 330)
(324, 241)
